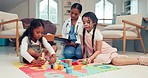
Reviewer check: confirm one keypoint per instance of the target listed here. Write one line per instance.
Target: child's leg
(33, 53)
(129, 61)
(124, 61)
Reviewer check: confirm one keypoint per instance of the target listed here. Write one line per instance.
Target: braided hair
(93, 17)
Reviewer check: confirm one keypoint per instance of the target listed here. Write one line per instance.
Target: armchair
(126, 28)
(11, 27)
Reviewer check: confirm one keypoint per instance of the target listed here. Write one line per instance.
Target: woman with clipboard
(72, 27)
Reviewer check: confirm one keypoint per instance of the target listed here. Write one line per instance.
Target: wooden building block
(69, 62)
(77, 67)
(68, 70)
(55, 67)
(60, 67)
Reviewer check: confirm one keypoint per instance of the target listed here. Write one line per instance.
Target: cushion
(118, 34)
(116, 27)
(13, 25)
(9, 32)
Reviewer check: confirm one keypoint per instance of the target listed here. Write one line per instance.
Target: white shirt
(24, 48)
(78, 29)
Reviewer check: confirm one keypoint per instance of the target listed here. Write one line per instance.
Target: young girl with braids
(33, 44)
(96, 50)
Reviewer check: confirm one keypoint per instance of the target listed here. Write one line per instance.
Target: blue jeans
(71, 52)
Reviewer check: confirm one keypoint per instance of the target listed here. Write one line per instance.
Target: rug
(41, 72)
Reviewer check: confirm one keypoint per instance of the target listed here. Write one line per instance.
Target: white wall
(143, 7)
(21, 10)
(27, 9)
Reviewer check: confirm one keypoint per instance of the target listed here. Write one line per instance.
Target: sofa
(49, 26)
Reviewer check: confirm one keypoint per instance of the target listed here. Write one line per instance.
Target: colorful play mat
(86, 70)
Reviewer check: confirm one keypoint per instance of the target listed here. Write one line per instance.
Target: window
(48, 10)
(104, 11)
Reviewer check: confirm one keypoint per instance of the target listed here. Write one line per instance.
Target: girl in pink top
(96, 50)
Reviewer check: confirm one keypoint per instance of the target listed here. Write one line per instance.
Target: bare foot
(143, 61)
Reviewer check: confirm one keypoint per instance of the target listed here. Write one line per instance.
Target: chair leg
(142, 44)
(17, 46)
(124, 45)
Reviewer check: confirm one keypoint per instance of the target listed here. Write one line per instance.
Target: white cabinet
(67, 6)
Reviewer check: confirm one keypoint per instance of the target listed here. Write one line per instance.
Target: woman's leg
(78, 52)
(69, 51)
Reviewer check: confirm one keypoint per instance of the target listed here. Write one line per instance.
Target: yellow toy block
(60, 67)
(55, 67)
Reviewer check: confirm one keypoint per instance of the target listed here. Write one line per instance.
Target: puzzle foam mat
(41, 72)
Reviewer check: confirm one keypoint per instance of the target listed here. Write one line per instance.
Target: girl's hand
(38, 62)
(52, 59)
(88, 60)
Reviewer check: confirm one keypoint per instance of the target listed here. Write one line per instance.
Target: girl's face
(37, 33)
(88, 23)
(74, 13)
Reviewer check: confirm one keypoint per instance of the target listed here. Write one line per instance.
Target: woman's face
(88, 23)
(37, 33)
(74, 13)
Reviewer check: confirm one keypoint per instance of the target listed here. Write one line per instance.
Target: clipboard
(63, 39)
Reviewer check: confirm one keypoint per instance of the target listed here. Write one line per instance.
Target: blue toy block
(65, 64)
(68, 70)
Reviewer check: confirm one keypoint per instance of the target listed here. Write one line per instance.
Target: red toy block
(75, 63)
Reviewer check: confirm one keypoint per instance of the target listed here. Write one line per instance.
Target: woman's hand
(72, 44)
(52, 59)
(38, 63)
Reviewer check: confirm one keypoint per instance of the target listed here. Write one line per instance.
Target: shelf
(67, 6)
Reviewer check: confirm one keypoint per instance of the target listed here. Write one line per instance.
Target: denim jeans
(73, 52)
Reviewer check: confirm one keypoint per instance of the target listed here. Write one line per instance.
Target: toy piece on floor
(77, 67)
(75, 63)
(84, 61)
(69, 62)
(55, 66)
(46, 65)
(68, 70)
(60, 67)
(65, 64)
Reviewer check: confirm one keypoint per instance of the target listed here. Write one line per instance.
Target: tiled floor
(8, 56)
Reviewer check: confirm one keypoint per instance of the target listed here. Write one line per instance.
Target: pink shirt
(106, 48)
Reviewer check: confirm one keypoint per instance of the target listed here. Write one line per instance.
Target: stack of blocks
(67, 63)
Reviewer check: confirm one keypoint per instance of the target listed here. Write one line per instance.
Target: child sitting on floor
(96, 50)
(33, 44)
